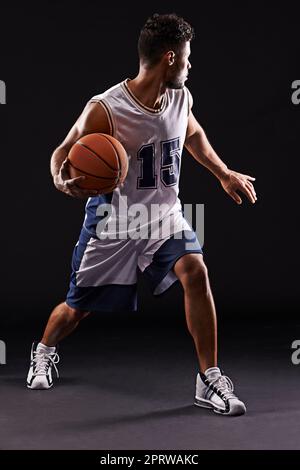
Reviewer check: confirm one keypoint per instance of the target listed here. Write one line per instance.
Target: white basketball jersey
(154, 142)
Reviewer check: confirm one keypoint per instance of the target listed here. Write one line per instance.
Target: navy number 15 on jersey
(169, 168)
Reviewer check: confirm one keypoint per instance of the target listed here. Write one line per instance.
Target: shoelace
(225, 385)
(43, 361)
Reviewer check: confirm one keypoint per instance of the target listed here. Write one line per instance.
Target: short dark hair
(162, 33)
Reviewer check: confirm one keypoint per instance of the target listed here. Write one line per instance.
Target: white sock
(46, 349)
(212, 372)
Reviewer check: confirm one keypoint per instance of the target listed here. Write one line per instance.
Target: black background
(56, 55)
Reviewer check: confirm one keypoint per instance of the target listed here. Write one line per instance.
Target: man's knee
(76, 314)
(192, 273)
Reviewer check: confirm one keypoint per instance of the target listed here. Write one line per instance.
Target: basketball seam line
(90, 174)
(96, 155)
(116, 151)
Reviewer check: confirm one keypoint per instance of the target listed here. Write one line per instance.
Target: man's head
(165, 42)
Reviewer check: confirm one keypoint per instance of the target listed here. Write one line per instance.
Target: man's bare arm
(92, 119)
(199, 147)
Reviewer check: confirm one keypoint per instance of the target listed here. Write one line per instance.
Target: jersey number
(169, 169)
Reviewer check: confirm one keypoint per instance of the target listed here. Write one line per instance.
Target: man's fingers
(251, 189)
(74, 190)
(250, 178)
(72, 183)
(235, 197)
(76, 180)
(248, 193)
(82, 193)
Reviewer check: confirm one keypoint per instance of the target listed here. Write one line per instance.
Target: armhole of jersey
(108, 112)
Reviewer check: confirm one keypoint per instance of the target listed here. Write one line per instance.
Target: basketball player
(151, 115)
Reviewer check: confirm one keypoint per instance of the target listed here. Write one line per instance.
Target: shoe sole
(203, 403)
(236, 411)
(39, 388)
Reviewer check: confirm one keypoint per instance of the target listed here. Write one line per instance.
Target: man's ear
(170, 57)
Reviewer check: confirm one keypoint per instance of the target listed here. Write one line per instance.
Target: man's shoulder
(113, 90)
(179, 95)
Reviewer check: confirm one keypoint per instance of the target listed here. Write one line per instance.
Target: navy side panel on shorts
(91, 219)
(167, 255)
(112, 297)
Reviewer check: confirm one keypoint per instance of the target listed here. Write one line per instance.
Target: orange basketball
(102, 159)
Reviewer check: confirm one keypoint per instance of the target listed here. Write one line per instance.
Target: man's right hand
(67, 185)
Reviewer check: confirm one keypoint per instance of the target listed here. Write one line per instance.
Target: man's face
(178, 72)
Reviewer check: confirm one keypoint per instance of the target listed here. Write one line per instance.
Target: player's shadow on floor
(187, 410)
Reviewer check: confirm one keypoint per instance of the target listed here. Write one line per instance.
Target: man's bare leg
(213, 390)
(199, 307)
(62, 321)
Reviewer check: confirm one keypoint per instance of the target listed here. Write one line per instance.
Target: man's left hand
(233, 182)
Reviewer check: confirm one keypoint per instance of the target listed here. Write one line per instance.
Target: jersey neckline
(141, 106)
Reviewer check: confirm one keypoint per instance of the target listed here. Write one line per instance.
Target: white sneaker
(40, 372)
(215, 391)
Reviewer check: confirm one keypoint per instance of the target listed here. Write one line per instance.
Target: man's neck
(148, 88)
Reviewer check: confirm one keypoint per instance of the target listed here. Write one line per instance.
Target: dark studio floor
(129, 384)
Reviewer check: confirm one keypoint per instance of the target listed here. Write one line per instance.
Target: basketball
(102, 159)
